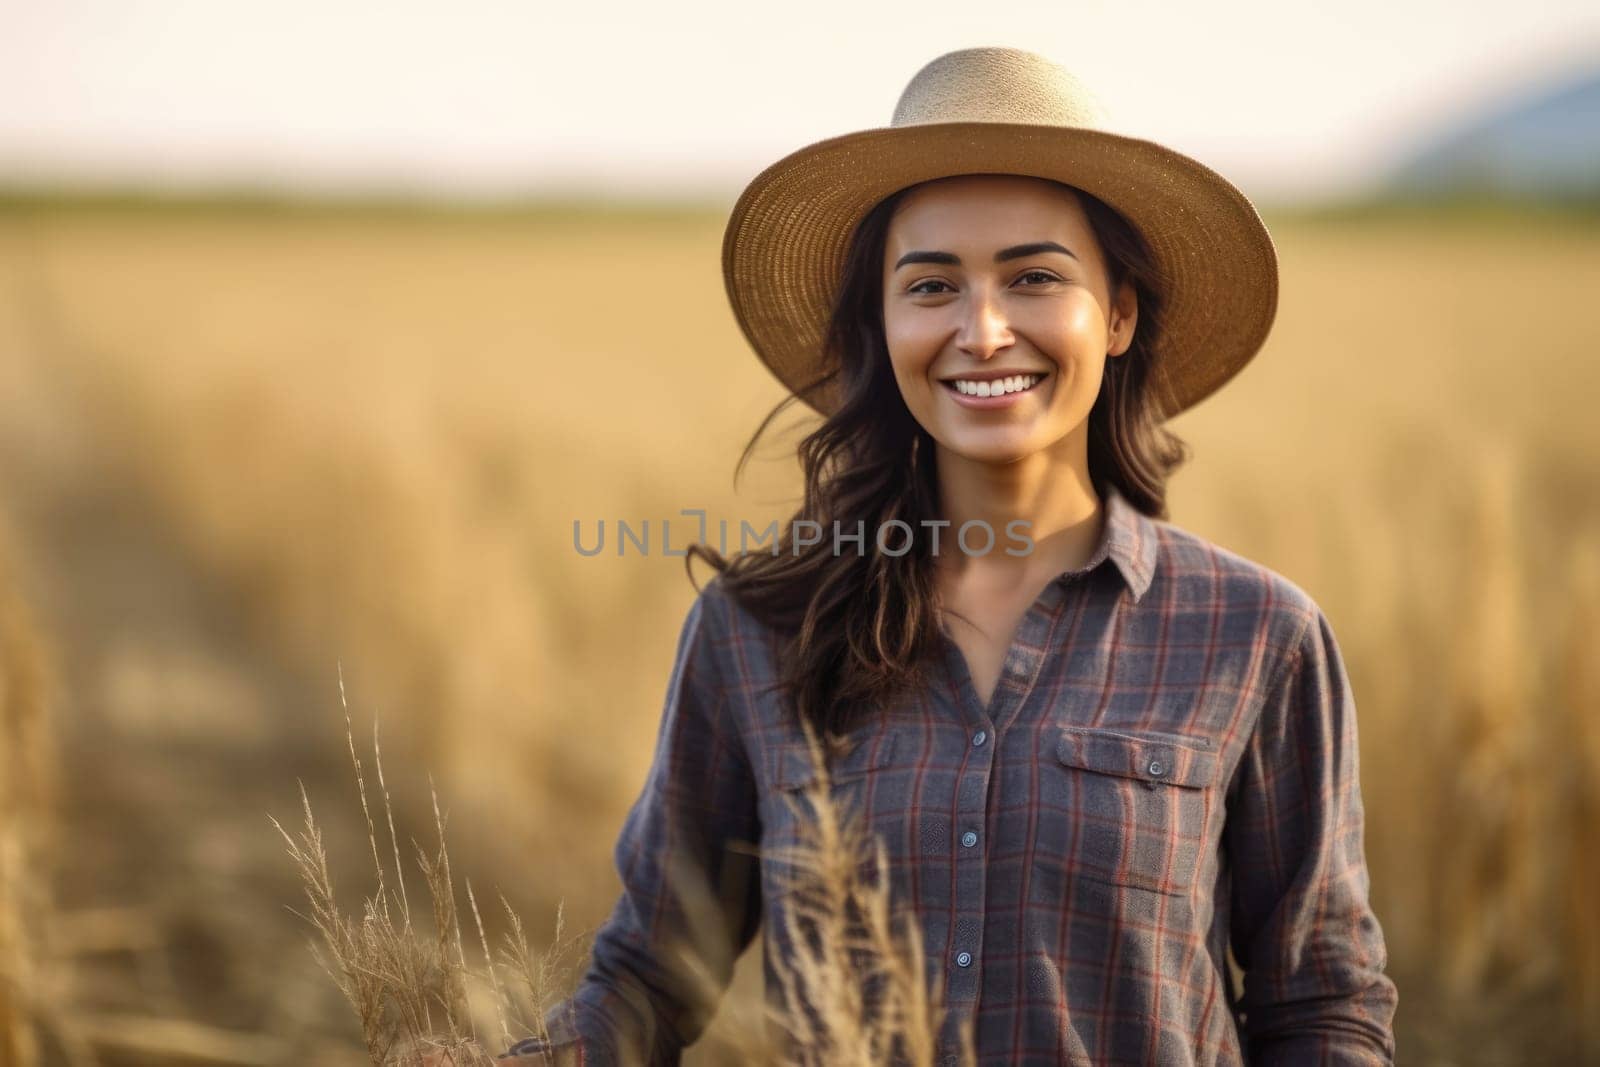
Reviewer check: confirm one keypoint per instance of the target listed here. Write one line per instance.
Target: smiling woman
(1096, 767)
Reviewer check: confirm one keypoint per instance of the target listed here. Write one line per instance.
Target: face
(998, 315)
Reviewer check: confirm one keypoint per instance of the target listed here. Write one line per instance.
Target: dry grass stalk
(28, 980)
(1490, 861)
(545, 975)
(1579, 837)
(409, 992)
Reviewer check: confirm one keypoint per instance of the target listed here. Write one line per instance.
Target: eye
(918, 288)
(1036, 273)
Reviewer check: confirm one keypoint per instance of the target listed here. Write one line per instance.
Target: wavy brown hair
(858, 627)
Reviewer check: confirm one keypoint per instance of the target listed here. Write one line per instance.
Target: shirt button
(980, 737)
(969, 839)
(1156, 768)
(964, 959)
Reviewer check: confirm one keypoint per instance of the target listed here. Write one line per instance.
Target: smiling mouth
(1019, 383)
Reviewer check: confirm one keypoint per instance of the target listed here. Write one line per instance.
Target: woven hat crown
(997, 85)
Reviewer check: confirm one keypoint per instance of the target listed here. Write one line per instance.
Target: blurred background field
(242, 448)
(284, 395)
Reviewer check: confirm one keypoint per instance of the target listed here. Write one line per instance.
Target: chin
(992, 448)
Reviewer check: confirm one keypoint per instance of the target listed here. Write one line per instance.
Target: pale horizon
(494, 99)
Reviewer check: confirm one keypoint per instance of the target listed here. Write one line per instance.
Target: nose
(985, 329)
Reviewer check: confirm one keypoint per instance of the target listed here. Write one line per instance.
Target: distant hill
(1544, 145)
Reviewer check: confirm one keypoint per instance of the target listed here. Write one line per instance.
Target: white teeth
(1014, 384)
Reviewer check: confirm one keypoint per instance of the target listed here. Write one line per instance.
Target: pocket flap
(1149, 758)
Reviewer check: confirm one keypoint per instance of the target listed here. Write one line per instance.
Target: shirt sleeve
(690, 900)
(1302, 927)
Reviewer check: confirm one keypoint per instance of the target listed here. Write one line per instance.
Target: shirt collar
(1129, 540)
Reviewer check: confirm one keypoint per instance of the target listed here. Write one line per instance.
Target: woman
(1100, 750)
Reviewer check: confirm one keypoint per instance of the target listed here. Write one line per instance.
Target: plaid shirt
(1167, 769)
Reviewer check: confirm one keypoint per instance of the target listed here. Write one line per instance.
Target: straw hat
(1002, 111)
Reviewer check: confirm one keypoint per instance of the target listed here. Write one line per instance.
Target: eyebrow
(1032, 248)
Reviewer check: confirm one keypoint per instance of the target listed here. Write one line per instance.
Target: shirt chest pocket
(858, 783)
(1137, 806)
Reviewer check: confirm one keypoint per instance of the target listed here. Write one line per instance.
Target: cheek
(1080, 324)
(911, 348)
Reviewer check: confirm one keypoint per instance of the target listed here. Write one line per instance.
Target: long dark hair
(859, 627)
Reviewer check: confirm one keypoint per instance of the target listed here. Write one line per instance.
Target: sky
(486, 99)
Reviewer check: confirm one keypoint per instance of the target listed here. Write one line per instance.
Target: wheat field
(246, 451)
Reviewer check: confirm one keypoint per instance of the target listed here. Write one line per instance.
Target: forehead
(988, 209)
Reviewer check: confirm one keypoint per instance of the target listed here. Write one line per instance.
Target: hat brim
(784, 248)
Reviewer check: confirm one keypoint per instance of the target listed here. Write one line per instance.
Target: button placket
(1023, 662)
(972, 806)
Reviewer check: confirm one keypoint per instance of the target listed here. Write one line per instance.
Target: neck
(1048, 494)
